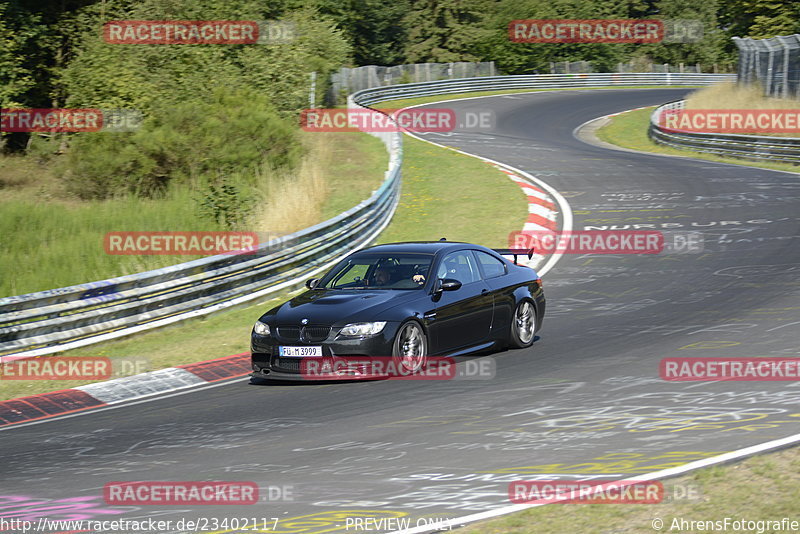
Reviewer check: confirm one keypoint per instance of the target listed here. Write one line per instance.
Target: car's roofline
(422, 247)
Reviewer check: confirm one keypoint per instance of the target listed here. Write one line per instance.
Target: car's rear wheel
(410, 349)
(523, 325)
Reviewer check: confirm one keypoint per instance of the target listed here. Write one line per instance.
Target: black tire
(523, 325)
(410, 348)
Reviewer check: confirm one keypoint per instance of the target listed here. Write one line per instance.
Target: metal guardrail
(536, 81)
(59, 319)
(751, 147)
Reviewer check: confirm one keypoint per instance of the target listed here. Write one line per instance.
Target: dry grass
(291, 201)
(24, 178)
(729, 95)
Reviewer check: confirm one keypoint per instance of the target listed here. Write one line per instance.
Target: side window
(491, 266)
(459, 265)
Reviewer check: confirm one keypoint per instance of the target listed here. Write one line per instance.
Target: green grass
(56, 244)
(759, 488)
(446, 194)
(629, 130)
(360, 163)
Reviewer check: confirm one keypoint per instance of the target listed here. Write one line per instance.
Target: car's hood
(338, 306)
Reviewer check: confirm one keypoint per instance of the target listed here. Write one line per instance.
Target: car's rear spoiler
(515, 252)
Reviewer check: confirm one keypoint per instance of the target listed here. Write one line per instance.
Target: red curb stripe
(541, 221)
(46, 405)
(528, 185)
(221, 368)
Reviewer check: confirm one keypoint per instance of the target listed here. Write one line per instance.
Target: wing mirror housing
(311, 283)
(447, 284)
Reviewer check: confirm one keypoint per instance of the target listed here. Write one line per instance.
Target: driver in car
(383, 277)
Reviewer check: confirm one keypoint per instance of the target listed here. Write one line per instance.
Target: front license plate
(300, 351)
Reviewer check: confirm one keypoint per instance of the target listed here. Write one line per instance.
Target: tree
(760, 19)
(529, 58)
(443, 31)
(708, 50)
(140, 76)
(374, 28)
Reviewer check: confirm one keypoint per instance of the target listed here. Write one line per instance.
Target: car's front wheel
(523, 325)
(410, 350)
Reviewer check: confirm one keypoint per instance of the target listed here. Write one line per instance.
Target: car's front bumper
(336, 353)
(322, 368)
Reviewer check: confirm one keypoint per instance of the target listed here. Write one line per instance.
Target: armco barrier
(752, 147)
(536, 81)
(59, 319)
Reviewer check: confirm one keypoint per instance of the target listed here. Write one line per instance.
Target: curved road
(585, 401)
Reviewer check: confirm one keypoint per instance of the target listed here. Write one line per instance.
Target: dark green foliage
(760, 19)
(191, 142)
(375, 28)
(442, 31)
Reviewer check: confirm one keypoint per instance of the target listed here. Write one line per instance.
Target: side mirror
(448, 284)
(311, 283)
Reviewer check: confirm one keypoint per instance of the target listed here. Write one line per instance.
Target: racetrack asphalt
(585, 401)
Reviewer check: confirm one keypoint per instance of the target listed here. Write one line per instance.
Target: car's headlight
(261, 329)
(363, 329)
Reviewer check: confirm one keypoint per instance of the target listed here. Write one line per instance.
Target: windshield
(379, 271)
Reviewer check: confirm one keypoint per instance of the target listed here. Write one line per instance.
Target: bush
(194, 142)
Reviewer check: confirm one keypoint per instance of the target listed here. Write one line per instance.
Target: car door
(494, 273)
(463, 316)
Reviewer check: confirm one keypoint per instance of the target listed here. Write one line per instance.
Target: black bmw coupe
(404, 301)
